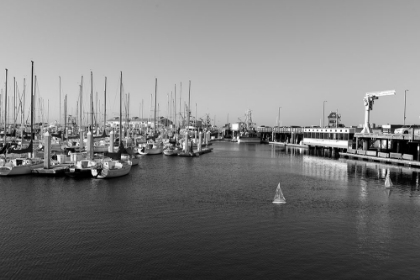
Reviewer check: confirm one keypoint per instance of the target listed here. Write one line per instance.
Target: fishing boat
(279, 197)
(248, 133)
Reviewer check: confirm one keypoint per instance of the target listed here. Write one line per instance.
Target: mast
(32, 105)
(59, 106)
(81, 104)
(105, 106)
(24, 98)
(91, 100)
(65, 117)
(120, 111)
(34, 101)
(14, 102)
(189, 109)
(154, 120)
(175, 108)
(5, 111)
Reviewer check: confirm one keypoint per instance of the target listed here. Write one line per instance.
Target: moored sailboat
(114, 167)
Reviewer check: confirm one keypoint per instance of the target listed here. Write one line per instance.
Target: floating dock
(56, 170)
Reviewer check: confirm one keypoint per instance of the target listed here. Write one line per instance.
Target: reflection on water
(213, 217)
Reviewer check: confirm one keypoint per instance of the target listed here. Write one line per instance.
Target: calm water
(212, 218)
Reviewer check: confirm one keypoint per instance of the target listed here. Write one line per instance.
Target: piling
(200, 138)
(111, 142)
(47, 150)
(89, 145)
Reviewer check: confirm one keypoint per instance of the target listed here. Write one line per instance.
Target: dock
(56, 170)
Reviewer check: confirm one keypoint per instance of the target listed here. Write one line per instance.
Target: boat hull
(78, 172)
(106, 173)
(19, 170)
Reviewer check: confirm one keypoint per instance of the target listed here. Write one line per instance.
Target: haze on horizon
(239, 55)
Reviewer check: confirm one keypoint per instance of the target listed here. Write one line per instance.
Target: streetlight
(405, 92)
(278, 124)
(323, 109)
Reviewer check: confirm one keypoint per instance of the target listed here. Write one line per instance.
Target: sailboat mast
(120, 111)
(189, 109)
(14, 101)
(5, 112)
(105, 106)
(91, 100)
(65, 117)
(32, 105)
(59, 106)
(154, 120)
(175, 107)
(81, 104)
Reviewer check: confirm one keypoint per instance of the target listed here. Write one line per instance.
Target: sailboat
(388, 182)
(21, 166)
(114, 168)
(153, 147)
(279, 197)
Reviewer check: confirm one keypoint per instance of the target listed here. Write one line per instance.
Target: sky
(239, 55)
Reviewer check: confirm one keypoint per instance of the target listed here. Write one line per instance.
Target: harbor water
(212, 217)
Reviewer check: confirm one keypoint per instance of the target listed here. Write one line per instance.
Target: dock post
(418, 152)
(47, 150)
(365, 144)
(89, 145)
(200, 138)
(111, 141)
(207, 138)
(81, 139)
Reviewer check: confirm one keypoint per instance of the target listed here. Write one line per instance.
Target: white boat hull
(106, 173)
(19, 170)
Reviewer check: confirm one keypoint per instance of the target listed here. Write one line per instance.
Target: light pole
(278, 124)
(323, 110)
(405, 92)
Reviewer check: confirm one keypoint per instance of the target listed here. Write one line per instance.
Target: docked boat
(248, 132)
(112, 169)
(82, 168)
(171, 151)
(19, 166)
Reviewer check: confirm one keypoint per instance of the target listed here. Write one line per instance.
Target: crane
(368, 101)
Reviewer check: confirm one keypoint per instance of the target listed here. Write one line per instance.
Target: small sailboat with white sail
(279, 197)
(388, 182)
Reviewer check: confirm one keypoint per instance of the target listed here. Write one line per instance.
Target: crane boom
(380, 93)
(368, 101)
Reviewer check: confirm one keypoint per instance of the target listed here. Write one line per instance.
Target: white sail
(279, 197)
(388, 182)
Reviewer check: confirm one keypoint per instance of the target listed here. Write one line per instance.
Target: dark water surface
(212, 217)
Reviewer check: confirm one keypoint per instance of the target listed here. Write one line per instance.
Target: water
(212, 217)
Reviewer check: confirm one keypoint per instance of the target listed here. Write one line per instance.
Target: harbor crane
(368, 101)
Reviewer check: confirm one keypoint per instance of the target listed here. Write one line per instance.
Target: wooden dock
(57, 170)
(392, 158)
